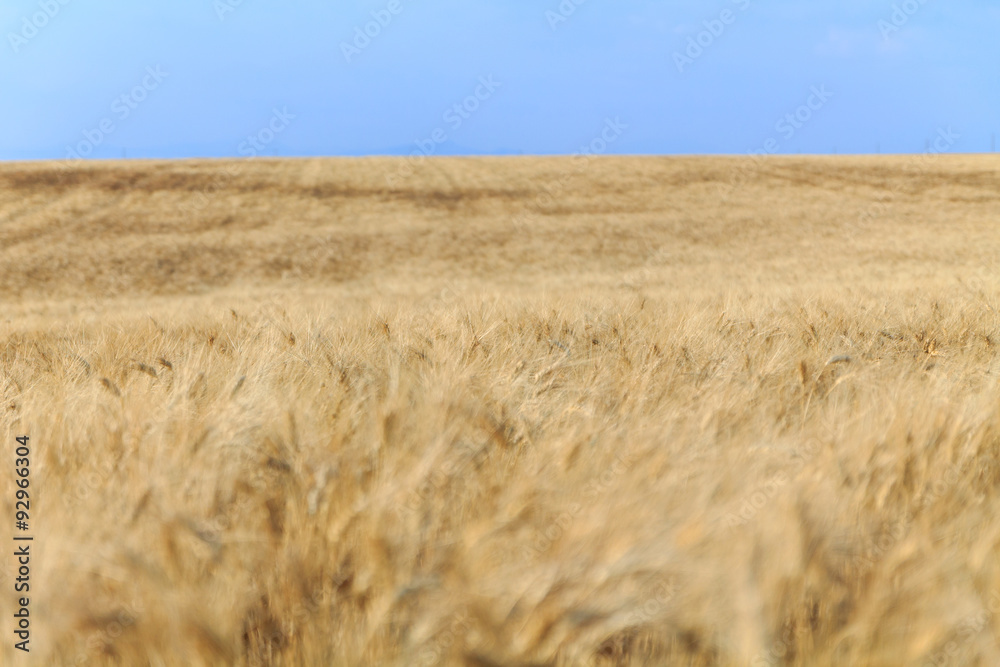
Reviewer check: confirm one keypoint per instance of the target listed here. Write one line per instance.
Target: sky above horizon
(218, 78)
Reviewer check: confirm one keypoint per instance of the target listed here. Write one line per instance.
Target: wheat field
(504, 411)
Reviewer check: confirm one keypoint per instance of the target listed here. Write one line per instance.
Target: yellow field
(512, 411)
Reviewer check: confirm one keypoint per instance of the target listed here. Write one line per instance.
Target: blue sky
(228, 78)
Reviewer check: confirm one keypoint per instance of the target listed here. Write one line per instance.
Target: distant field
(508, 411)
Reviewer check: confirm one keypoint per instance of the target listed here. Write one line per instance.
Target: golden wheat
(678, 411)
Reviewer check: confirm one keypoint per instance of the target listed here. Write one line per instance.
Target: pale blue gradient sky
(557, 85)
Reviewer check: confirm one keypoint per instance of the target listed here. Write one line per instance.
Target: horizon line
(498, 155)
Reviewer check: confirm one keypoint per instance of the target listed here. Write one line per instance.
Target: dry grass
(685, 411)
